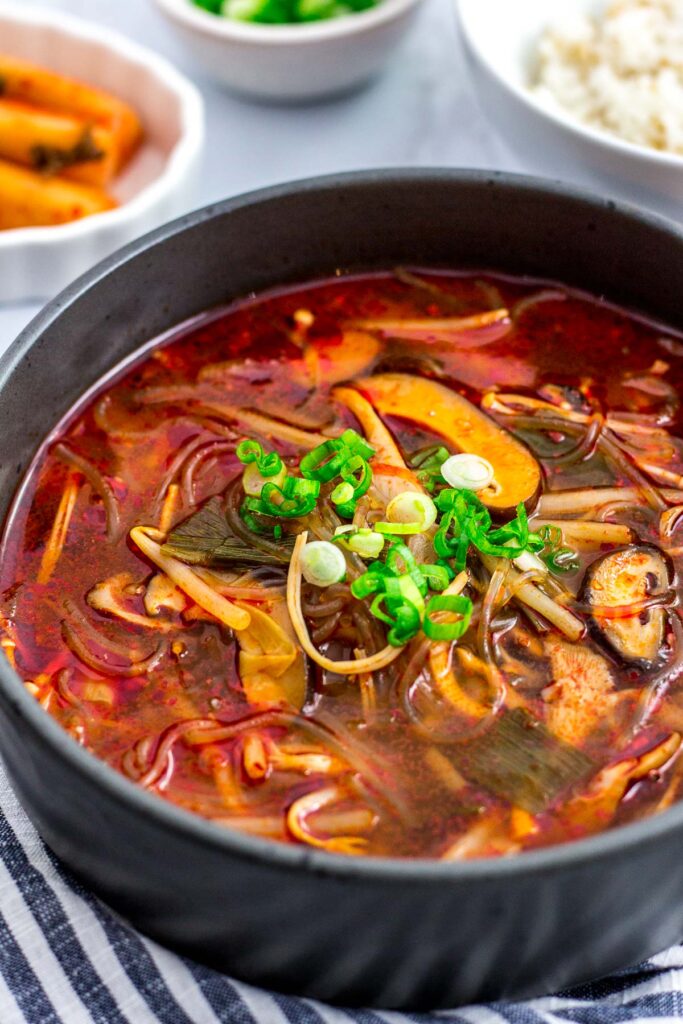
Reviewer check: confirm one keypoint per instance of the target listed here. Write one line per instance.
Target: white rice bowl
(619, 71)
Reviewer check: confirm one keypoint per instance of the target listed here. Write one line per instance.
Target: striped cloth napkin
(66, 959)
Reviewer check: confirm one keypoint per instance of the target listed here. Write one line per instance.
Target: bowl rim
(557, 118)
(306, 33)
(181, 156)
(234, 844)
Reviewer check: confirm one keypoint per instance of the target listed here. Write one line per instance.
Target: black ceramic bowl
(381, 932)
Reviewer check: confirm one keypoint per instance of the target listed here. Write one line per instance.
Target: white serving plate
(37, 262)
(500, 38)
(292, 63)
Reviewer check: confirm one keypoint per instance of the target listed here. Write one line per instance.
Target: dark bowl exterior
(352, 931)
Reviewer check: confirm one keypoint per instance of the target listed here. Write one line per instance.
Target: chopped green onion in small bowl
(283, 12)
(291, 51)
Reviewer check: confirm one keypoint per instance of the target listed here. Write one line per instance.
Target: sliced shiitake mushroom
(439, 410)
(624, 580)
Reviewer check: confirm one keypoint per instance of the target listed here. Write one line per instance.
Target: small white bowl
(500, 39)
(156, 185)
(292, 63)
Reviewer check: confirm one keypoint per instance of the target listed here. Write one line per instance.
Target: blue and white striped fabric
(67, 959)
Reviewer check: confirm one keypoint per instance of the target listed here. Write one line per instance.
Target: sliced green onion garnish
(296, 497)
(467, 471)
(404, 620)
(551, 536)
(399, 586)
(356, 444)
(456, 604)
(363, 541)
(400, 561)
(402, 529)
(466, 521)
(357, 472)
(557, 557)
(255, 519)
(250, 452)
(366, 543)
(562, 560)
(427, 464)
(401, 606)
(438, 576)
(343, 492)
(403, 588)
(322, 563)
(409, 512)
(324, 462)
(412, 507)
(371, 582)
(253, 479)
(344, 456)
(436, 455)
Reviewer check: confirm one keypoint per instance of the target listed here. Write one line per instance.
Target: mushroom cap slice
(624, 578)
(441, 411)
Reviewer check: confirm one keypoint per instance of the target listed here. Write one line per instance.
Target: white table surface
(420, 112)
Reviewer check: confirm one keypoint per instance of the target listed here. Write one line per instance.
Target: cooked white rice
(620, 71)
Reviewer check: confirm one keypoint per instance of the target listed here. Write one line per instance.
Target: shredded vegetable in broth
(386, 565)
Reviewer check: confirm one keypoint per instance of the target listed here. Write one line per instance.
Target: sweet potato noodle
(385, 565)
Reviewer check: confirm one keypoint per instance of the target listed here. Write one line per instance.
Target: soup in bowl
(360, 565)
(339, 582)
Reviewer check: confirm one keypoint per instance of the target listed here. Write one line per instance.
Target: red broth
(555, 714)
